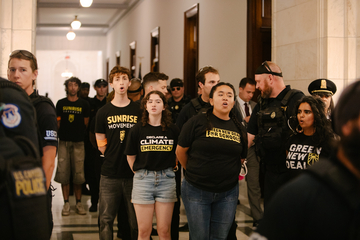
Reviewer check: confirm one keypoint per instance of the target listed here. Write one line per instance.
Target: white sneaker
(80, 209)
(66, 209)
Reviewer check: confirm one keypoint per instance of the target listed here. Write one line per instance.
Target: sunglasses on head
(25, 53)
(175, 88)
(267, 67)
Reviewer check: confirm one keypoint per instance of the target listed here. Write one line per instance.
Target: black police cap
(100, 82)
(176, 82)
(322, 85)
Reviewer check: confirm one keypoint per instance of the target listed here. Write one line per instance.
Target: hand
(247, 119)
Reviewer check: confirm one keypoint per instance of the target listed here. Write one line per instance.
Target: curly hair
(323, 130)
(166, 120)
(118, 70)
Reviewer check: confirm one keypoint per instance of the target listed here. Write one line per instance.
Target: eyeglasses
(267, 67)
(175, 88)
(25, 53)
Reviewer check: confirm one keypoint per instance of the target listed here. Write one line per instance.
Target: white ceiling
(54, 16)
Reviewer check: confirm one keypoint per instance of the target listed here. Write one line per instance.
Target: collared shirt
(242, 106)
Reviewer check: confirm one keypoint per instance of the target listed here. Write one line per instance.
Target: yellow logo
(71, 117)
(312, 158)
(176, 107)
(122, 135)
(323, 84)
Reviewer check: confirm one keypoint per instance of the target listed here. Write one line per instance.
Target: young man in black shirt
(207, 77)
(113, 123)
(23, 70)
(73, 118)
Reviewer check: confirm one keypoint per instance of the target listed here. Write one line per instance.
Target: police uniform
(175, 107)
(322, 85)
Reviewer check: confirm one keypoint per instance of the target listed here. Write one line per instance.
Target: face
(211, 79)
(177, 92)
(84, 92)
(262, 83)
(20, 72)
(247, 93)
(161, 86)
(120, 83)
(72, 89)
(223, 100)
(305, 116)
(101, 90)
(155, 105)
(327, 100)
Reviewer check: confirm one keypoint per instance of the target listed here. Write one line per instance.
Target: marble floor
(84, 227)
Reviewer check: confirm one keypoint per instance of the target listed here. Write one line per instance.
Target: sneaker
(66, 209)
(93, 208)
(80, 209)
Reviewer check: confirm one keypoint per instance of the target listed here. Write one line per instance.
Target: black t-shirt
(155, 149)
(46, 119)
(276, 156)
(307, 208)
(214, 157)
(176, 107)
(72, 114)
(189, 111)
(115, 123)
(302, 153)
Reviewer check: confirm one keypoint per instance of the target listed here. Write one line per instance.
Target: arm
(181, 154)
(58, 122)
(101, 137)
(131, 160)
(250, 139)
(48, 163)
(86, 121)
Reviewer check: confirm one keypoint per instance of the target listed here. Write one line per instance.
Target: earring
(299, 129)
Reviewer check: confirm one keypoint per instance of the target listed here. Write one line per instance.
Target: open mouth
(225, 104)
(122, 88)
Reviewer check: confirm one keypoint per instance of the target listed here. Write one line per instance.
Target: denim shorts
(151, 186)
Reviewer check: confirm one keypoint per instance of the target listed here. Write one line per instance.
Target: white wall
(83, 64)
(87, 62)
(222, 36)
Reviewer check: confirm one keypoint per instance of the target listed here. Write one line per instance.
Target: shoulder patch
(11, 116)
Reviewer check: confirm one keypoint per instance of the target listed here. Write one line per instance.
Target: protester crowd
(140, 151)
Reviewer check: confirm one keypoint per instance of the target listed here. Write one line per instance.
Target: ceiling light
(70, 35)
(86, 3)
(75, 24)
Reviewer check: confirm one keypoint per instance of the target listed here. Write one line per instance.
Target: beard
(351, 146)
(266, 92)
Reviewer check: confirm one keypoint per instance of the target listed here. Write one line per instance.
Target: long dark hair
(323, 130)
(166, 120)
(232, 115)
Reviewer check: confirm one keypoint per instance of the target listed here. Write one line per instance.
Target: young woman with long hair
(151, 155)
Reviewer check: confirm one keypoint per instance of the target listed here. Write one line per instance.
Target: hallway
(84, 227)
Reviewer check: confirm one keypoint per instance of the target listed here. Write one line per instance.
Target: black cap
(347, 107)
(176, 82)
(100, 82)
(264, 68)
(84, 85)
(322, 85)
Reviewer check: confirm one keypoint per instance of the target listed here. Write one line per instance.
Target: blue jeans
(209, 214)
(112, 190)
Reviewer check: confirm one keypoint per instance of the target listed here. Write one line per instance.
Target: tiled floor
(84, 227)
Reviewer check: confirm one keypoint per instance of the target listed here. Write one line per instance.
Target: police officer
(268, 123)
(23, 70)
(178, 100)
(325, 89)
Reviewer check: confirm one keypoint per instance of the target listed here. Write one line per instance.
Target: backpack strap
(196, 103)
(38, 99)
